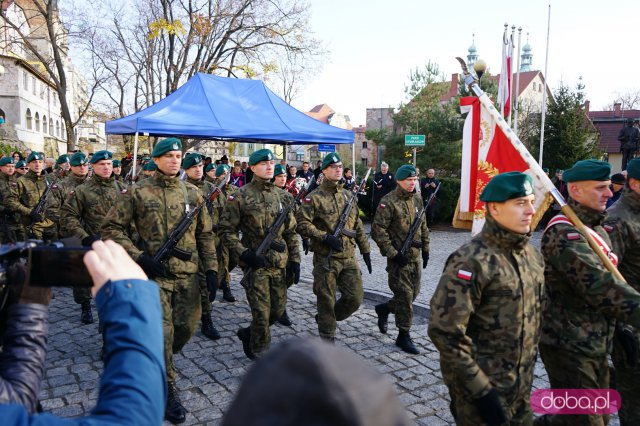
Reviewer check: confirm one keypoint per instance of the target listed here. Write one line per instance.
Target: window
(57, 128)
(45, 125)
(37, 122)
(365, 161)
(364, 144)
(25, 81)
(33, 81)
(29, 119)
(51, 126)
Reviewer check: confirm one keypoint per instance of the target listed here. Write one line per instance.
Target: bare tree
(629, 99)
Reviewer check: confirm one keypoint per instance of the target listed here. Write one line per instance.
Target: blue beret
(78, 159)
(506, 186)
(329, 159)
(6, 160)
(588, 170)
(166, 145)
(101, 155)
(633, 168)
(405, 171)
(35, 155)
(260, 155)
(221, 169)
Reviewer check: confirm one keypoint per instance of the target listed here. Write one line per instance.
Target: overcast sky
(374, 44)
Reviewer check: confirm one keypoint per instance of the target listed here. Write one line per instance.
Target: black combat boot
(86, 317)
(244, 334)
(382, 310)
(227, 296)
(328, 339)
(285, 320)
(174, 411)
(207, 327)
(405, 343)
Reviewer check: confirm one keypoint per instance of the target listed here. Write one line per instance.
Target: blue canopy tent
(228, 109)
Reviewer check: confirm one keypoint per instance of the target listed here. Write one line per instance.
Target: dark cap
(101, 155)
(633, 168)
(405, 171)
(260, 155)
(618, 178)
(506, 186)
(588, 170)
(329, 159)
(166, 145)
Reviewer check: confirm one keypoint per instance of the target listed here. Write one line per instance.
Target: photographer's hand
(109, 261)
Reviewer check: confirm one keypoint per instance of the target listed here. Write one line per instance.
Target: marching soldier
(11, 229)
(226, 261)
(117, 170)
(21, 168)
(194, 169)
(623, 226)
(251, 211)
(396, 213)
(486, 310)
(25, 197)
(155, 206)
(583, 299)
(83, 212)
(317, 218)
(79, 168)
(61, 169)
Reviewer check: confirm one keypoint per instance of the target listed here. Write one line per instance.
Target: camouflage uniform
(317, 216)
(59, 194)
(251, 211)
(23, 199)
(623, 226)
(582, 302)
(396, 212)
(226, 261)
(11, 230)
(485, 321)
(155, 206)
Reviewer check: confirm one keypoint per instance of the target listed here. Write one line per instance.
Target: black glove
(87, 241)
(334, 242)
(629, 343)
(490, 408)
(151, 267)
(212, 283)
(252, 259)
(305, 245)
(293, 268)
(425, 259)
(35, 217)
(400, 260)
(367, 261)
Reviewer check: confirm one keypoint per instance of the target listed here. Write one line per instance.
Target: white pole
(135, 155)
(544, 92)
(511, 82)
(515, 102)
(353, 157)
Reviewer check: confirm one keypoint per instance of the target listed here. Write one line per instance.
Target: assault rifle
(41, 204)
(169, 248)
(269, 239)
(344, 217)
(408, 240)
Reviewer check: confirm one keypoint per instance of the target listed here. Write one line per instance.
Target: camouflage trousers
(11, 233)
(465, 412)
(226, 263)
(627, 380)
(405, 284)
(266, 295)
(49, 233)
(204, 291)
(180, 315)
(343, 274)
(572, 370)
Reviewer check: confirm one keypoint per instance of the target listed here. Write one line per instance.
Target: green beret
(6, 160)
(260, 155)
(192, 159)
(405, 171)
(64, 158)
(279, 170)
(78, 159)
(633, 168)
(545, 169)
(506, 186)
(588, 170)
(330, 159)
(146, 158)
(221, 169)
(208, 168)
(35, 155)
(166, 145)
(151, 166)
(101, 155)
(21, 163)
(116, 163)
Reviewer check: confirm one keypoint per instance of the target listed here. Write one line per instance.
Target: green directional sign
(414, 140)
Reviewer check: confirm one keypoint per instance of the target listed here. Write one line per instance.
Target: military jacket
(396, 212)
(7, 184)
(318, 216)
(252, 210)
(26, 195)
(60, 191)
(623, 226)
(156, 205)
(87, 206)
(221, 200)
(486, 312)
(583, 299)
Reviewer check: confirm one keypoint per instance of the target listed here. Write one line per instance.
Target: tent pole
(353, 157)
(135, 154)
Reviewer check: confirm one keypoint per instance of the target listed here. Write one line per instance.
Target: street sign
(325, 147)
(414, 140)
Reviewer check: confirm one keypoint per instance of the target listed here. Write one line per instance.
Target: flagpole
(544, 92)
(510, 69)
(503, 71)
(536, 169)
(516, 105)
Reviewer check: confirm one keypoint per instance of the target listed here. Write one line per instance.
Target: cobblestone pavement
(210, 372)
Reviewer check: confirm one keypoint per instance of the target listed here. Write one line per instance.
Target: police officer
(11, 229)
(583, 299)
(623, 227)
(82, 214)
(485, 312)
(317, 218)
(155, 206)
(193, 166)
(252, 210)
(25, 197)
(396, 213)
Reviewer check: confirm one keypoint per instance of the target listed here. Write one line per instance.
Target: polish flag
(464, 275)
(504, 85)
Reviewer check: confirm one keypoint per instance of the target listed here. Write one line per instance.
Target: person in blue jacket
(133, 387)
